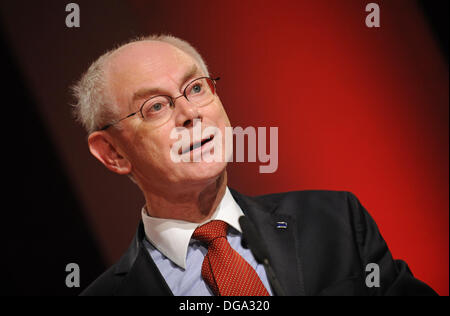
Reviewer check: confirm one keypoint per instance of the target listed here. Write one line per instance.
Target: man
(190, 242)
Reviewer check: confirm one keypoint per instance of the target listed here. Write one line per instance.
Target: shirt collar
(171, 237)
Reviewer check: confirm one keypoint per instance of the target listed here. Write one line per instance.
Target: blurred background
(358, 109)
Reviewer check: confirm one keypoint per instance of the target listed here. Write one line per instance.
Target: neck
(193, 204)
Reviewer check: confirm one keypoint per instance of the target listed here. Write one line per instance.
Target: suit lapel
(140, 273)
(141, 276)
(282, 243)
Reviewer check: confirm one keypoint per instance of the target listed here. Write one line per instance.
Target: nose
(186, 112)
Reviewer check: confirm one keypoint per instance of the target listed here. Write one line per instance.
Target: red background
(358, 109)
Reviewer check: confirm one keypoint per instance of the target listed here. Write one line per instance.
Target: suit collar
(172, 237)
(282, 244)
(141, 275)
(129, 257)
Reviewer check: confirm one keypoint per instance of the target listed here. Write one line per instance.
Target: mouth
(194, 146)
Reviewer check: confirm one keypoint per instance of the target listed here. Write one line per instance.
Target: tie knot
(211, 231)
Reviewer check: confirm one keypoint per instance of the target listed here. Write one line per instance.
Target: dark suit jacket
(329, 240)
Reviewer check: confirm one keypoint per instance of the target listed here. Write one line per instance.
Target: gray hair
(94, 104)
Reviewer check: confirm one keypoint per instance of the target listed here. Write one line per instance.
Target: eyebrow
(145, 92)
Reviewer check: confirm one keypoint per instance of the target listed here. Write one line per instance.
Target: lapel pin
(281, 225)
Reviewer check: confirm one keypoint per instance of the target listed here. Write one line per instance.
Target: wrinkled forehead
(145, 64)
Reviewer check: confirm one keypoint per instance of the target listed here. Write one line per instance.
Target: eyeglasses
(158, 109)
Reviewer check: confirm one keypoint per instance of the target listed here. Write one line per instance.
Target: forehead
(144, 65)
(145, 54)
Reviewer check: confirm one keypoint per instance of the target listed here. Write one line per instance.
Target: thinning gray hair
(94, 104)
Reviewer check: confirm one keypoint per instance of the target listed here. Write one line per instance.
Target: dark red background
(358, 109)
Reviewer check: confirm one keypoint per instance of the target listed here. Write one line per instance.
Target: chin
(203, 171)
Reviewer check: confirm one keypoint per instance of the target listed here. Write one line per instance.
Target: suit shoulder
(316, 205)
(104, 285)
(310, 198)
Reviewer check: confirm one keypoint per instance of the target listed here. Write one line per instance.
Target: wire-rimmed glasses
(157, 110)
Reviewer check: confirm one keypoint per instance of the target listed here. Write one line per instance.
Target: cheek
(150, 147)
(217, 115)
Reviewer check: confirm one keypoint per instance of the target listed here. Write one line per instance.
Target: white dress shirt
(179, 258)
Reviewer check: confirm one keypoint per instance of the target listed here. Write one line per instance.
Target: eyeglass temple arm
(113, 123)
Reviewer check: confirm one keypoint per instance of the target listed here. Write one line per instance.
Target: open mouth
(196, 145)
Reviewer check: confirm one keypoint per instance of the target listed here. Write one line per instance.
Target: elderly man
(190, 240)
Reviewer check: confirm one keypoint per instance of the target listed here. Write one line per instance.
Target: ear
(102, 147)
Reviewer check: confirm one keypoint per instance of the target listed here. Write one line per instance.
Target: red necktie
(223, 269)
